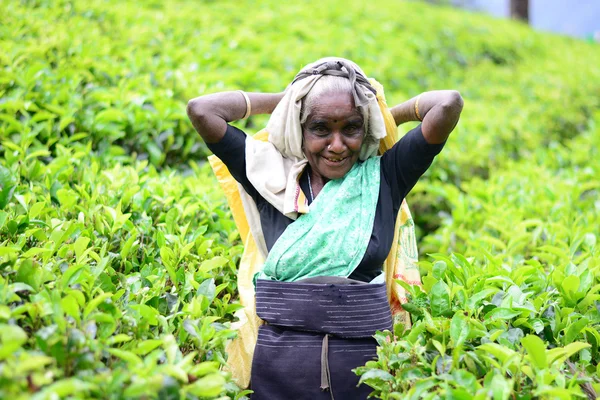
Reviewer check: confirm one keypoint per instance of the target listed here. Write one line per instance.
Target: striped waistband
(349, 311)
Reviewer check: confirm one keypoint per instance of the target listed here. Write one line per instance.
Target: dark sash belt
(343, 310)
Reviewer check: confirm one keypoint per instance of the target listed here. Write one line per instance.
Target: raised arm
(439, 110)
(211, 113)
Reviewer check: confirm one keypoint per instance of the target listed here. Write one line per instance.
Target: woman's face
(333, 134)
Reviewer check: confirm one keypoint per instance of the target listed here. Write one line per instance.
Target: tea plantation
(118, 253)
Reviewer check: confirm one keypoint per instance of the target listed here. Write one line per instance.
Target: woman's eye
(352, 130)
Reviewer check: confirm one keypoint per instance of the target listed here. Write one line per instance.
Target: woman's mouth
(335, 161)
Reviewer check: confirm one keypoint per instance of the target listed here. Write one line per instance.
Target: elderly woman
(325, 210)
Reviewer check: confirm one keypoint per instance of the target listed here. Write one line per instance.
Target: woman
(325, 207)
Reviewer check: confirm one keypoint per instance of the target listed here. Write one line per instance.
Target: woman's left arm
(439, 110)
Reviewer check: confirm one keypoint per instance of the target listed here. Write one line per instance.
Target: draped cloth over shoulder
(400, 263)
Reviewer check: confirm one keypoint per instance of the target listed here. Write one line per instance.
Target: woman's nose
(337, 144)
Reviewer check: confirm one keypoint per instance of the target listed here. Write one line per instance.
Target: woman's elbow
(196, 109)
(454, 103)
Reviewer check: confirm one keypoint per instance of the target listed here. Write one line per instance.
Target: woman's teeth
(336, 160)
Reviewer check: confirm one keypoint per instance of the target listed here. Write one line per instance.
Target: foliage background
(118, 254)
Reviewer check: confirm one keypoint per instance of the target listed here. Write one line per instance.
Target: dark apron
(315, 334)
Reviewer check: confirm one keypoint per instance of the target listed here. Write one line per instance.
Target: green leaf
(459, 329)
(376, 375)
(537, 351)
(92, 305)
(574, 329)
(560, 355)
(80, 245)
(204, 368)
(127, 246)
(35, 209)
(131, 358)
(168, 258)
(70, 307)
(110, 115)
(215, 262)
(439, 270)
(8, 183)
(3, 217)
(570, 284)
(502, 353)
(207, 288)
(439, 299)
(5, 313)
(71, 274)
(37, 153)
(479, 296)
(32, 363)
(502, 313)
(171, 219)
(208, 386)
(501, 387)
(65, 388)
(120, 338)
(12, 338)
(175, 372)
(30, 273)
(5, 250)
(146, 346)
(150, 314)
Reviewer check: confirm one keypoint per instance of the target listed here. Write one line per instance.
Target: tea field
(118, 253)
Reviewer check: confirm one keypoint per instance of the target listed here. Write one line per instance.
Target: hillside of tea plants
(118, 253)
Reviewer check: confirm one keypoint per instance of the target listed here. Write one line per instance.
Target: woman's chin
(334, 171)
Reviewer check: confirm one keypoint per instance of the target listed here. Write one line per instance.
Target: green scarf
(332, 238)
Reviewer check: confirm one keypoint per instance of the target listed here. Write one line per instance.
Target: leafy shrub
(115, 280)
(520, 317)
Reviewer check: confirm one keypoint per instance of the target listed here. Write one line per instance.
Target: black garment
(401, 167)
(315, 334)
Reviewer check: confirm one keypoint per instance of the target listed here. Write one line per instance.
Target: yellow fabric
(400, 263)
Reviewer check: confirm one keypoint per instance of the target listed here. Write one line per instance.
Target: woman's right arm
(210, 114)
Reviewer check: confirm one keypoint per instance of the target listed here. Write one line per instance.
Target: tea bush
(519, 318)
(115, 281)
(117, 251)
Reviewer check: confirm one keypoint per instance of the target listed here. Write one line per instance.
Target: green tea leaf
(376, 375)
(440, 299)
(459, 329)
(537, 351)
(169, 261)
(502, 313)
(93, 304)
(208, 386)
(215, 262)
(12, 338)
(574, 329)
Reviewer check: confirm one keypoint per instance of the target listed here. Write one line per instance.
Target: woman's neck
(317, 181)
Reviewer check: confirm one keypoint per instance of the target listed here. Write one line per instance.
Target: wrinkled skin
(333, 135)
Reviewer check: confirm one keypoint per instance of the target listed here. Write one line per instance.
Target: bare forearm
(210, 114)
(439, 110)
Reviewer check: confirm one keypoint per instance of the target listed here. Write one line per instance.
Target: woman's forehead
(336, 106)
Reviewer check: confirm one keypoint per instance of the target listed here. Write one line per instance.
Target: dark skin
(332, 138)
(333, 134)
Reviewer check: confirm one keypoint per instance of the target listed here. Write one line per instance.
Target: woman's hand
(211, 113)
(439, 110)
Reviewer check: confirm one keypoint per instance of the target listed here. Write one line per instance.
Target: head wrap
(344, 69)
(285, 131)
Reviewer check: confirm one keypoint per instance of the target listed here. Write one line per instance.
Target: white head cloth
(274, 167)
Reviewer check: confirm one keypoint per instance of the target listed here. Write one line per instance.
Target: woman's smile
(335, 161)
(333, 135)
